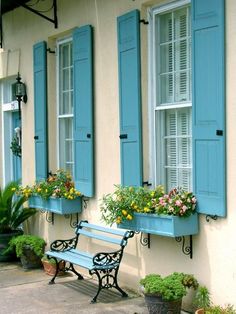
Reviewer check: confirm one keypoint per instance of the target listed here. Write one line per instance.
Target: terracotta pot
(199, 311)
(50, 269)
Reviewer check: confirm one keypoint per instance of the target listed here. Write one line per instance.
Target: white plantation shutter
(174, 62)
(177, 141)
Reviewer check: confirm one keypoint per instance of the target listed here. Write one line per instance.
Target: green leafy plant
(170, 288)
(12, 211)
(49, 260)
(229, 309)
(35, 243)
(202, 299)
(59, 185)
(125, 201)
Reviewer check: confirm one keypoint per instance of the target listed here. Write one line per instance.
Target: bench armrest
(64, 245)
(105, 259)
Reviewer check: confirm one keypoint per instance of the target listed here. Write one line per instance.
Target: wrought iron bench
(105, 265)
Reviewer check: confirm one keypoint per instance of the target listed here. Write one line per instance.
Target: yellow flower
(131, 189)
(152, 194)
(146, 209)
(118, 220)
(124, 212)
(129, 217)
(13, 189)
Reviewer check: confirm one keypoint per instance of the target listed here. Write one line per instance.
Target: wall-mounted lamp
(20, 92)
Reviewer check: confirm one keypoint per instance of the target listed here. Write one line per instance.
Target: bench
(105, 265)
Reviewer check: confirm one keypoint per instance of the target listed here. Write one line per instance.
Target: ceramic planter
(60, 206)
(164, 225)
(29, 259)
(4, 241)
(156, 305)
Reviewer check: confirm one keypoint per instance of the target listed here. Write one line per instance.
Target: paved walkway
(28, 292)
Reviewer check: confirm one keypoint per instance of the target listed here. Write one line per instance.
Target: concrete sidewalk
(28, 292)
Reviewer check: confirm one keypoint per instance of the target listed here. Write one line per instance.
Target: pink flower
(178, 203)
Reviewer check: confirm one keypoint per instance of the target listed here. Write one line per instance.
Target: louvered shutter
(40, 110)
(130, 99)
(209, 171)
(83, 110)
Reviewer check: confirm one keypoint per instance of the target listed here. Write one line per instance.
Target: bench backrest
(105, 234)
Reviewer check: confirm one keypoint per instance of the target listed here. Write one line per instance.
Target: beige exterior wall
(214, 248)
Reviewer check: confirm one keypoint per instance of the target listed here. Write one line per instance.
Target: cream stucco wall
(214, 248)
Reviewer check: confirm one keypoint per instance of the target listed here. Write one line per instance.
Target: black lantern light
(20, 92)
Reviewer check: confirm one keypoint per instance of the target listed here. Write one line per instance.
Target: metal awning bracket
(54, 7)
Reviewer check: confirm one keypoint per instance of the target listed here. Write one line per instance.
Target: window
(65, 105)
(171, 95)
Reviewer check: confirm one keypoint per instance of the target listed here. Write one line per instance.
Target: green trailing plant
(35, 243)
(170, 288)
(12, 210)
(202, 299)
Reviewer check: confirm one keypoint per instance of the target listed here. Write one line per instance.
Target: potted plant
(151, 211)
(202, 300)
(49, 265)
(29, 249)
(216, 309)
(12, 215)
(164, 294)
(56, 194)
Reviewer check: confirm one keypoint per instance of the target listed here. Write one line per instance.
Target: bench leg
(80, 277)
(52, 281)
(106, 279)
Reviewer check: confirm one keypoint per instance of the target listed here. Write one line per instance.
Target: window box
(170, 226)
(60, 206)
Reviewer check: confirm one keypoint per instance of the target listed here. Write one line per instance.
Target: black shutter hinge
(50, 50)
(147, 183)
(144, 22)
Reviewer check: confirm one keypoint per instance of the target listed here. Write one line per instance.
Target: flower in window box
(58, 185)
(124, 202)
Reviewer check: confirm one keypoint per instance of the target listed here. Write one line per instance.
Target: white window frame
(154, 178)
(7, 134)
(60, 42)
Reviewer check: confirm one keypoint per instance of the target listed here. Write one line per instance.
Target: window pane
(65, 142)
(173, 57)
(65, 119)
(178, 147)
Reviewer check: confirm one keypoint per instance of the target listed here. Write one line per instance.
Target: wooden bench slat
(99, 237)
(73, 258)
(104, 229)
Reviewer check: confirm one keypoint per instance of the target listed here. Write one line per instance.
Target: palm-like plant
(12, 212)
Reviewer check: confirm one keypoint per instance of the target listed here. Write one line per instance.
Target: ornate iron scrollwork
(74, 223)
(64, 245)
(213, 217)
(145, 241)
(187, 250)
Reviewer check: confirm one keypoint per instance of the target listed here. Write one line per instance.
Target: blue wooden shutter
(209, 106)
(130, 99)
(40, 110)
(83, 110)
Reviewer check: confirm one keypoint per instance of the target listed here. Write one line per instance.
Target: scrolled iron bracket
(50, 217)
(85, 201)
(74, 223)
(187, 250)
(213, 217)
